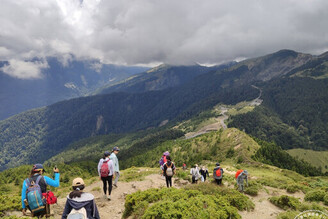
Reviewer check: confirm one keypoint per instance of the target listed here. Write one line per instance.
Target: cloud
(24, 70)
(152, 31)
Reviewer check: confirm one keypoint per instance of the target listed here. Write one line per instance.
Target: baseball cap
(116, 149)
(78, 182)
(107, 153)
(37, 167)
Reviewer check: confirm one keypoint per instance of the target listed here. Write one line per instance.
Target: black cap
(116, 149)
(107, 153)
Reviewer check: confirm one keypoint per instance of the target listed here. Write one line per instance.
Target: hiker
(184, 166)
(194, 174)
(113, 157)
(240, 180)
(168, 171)
(163, 159)
(33, 189)
(106, 173)
(79, 203)
(204, 172)
(218, 174)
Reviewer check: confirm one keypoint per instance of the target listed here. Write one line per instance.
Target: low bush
(285, 202)
(9, 202)
(195, 201)
(293, 188)
(315, 195)
(252, 188)
(325, 199)
(288, 214)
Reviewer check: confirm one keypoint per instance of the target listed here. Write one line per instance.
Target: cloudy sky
(148, 32)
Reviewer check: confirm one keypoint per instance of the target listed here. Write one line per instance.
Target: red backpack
(238, 172)
(50, 197)
(218, 172)
(104, 170)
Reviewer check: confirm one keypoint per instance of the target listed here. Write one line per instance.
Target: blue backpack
(34, 195)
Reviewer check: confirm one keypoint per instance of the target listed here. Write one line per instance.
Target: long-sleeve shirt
(47, 181)
(110, 166)
(241, 178)
(113, 157)
(195, 172)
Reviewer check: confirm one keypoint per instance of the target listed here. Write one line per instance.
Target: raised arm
(53, 182)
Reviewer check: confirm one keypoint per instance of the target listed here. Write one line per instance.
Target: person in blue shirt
(113, 157)
(37, 171)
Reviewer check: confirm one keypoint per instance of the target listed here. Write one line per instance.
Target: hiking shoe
(105, 196)
(115, 185)
(109, 197)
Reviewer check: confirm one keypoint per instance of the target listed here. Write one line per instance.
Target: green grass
(315, 158)
(137, 173)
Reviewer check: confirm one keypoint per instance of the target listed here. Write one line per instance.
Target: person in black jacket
(79, 199)
(168, 171)
(204, 173)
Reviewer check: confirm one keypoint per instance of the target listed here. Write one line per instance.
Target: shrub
(285, 202)
(325, 199)
(293, 188)
(287, 215)
(9, 202)
(252, 188)
(195, 201)
(315, 195)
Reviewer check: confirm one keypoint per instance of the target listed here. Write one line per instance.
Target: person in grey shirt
(113, 157)
(240, 180)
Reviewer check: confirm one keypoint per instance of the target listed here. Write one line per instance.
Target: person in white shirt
(106, 173)
(113, 157)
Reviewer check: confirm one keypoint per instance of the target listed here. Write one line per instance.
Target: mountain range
(167, 95)
(58, 82)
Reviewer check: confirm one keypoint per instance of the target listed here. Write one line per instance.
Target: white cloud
(24, 70)
(151, 31)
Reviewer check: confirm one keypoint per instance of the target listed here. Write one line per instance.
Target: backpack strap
(28, 183)
(38, 179)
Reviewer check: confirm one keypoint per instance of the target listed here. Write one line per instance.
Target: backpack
(162, 161)
(169, 170)
(77, 214)
(218, 172)
(104, 170)
(50, 197)
(238, 173)
(34, 195)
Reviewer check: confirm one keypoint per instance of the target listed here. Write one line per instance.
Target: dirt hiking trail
(115, 207)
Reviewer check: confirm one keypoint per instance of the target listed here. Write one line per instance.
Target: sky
(150, 32)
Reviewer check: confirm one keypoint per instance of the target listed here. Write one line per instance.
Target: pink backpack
(104, 170)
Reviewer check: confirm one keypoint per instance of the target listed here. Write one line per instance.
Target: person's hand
(24, 212)
(56, 170)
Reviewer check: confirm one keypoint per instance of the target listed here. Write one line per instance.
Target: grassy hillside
(233, 148)
(316, 158)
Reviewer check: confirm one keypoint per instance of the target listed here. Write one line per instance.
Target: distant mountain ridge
(51, 129)
(160, 78)
(58, 83)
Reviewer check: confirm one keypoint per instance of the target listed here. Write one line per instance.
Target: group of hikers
(168, 170)
(80, 204)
